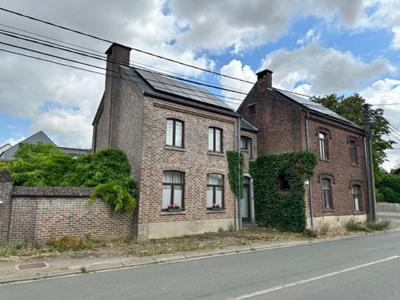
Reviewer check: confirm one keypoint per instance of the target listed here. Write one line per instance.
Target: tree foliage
(276, 207)
(108, 171)
(388, 188)
(351, 108)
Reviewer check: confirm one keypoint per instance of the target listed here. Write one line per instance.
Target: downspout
(238, 223)
(309, 178)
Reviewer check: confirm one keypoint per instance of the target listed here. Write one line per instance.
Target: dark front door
(245, 207)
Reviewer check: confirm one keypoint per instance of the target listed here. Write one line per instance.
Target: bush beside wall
(279, 189)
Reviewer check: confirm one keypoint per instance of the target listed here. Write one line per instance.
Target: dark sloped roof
(157, 85)
(246, 125)
(314, 106)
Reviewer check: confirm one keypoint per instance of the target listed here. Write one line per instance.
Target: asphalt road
(358, 268)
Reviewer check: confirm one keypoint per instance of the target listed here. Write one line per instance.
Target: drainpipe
(309, 178)
(238, 217)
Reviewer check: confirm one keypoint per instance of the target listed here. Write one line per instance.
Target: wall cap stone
(51, 191)
(5, 176)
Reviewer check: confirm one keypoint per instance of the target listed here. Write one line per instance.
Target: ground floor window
(327, 193)
(173, 190)
(215, 191)
(356, 193)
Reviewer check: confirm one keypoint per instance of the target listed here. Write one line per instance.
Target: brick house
(175, 136)
(289, 122)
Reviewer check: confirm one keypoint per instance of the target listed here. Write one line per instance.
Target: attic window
(283, 182)
(251, 109)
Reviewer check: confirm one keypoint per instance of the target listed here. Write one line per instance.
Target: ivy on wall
(279, 191)
(235, 169)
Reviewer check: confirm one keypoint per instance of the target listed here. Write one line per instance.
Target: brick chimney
(116, 55)
(264, 79)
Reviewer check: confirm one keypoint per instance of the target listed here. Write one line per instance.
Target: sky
(313, 47)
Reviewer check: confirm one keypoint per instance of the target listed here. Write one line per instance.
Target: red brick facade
(285, 126)
(44, 213)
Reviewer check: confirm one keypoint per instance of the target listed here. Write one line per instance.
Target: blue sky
(313, 47)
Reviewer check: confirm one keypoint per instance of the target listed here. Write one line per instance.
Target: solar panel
(314, 105)
(178, 88)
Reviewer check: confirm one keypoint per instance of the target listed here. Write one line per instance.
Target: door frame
(251, 219)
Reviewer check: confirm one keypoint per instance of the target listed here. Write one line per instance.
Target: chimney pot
(265, 76)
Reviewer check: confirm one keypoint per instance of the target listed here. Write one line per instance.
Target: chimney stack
(116, 55)
(264, 78)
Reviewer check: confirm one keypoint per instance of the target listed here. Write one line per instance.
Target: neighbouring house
(175, 136)
(290, 122)
(4, 148)
(38, 138)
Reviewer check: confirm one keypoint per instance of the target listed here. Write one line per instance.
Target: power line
(94, 66)
(109, 41)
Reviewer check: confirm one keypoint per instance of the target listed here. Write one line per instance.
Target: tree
(351, 108)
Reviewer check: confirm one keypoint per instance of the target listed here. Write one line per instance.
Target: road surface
(357, 268)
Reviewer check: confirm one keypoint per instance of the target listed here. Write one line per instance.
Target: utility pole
(369, 163)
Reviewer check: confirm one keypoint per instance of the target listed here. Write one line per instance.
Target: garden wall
(44, 213)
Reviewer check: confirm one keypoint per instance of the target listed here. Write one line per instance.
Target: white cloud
(396, 37)
(13, 140)
(310, 35)
(235, 69)
(387, 91)
(324, 70)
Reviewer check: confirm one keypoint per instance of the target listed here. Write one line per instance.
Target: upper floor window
(214, 139)
(356, 193)
(245, 144)
(323, 146)
(215, 191)
(251, 109)
(173, 190)
(327, 193)
(353, 152)
(174, 135)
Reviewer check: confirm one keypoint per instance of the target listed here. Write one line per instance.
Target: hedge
(388, 188)
(275, 207)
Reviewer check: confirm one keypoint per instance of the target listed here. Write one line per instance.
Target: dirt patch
(79, 248)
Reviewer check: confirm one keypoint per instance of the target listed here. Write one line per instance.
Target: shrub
(69, 243)
(352, 225)
(388, 188)
(281, 209)
(378, 226)
(108, 171)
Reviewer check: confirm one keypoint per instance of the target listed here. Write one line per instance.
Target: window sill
(325, 160)
(174, 148)
(177, 212)
(358, 212)
(215, 211)
(355, 165)
(215, 153)
(328, 211)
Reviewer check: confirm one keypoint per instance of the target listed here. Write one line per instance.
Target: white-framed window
(245, 145)
(215, 139)
(215, 191)
(356, 194)
(327, 193)
(353, 152)
(173, 190)
(175, 132)
(323, 146)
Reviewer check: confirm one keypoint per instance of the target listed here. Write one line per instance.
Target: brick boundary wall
(44, 213)
(388, 207)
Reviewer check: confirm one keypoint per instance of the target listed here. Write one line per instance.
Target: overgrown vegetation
(235, 162)
(351, 108)
(108, 171)
(388, 188)
(352, 225)
(278, 205)
(125, 247)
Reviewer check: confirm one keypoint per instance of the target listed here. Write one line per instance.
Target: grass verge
(367, 226)
(124, 247)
